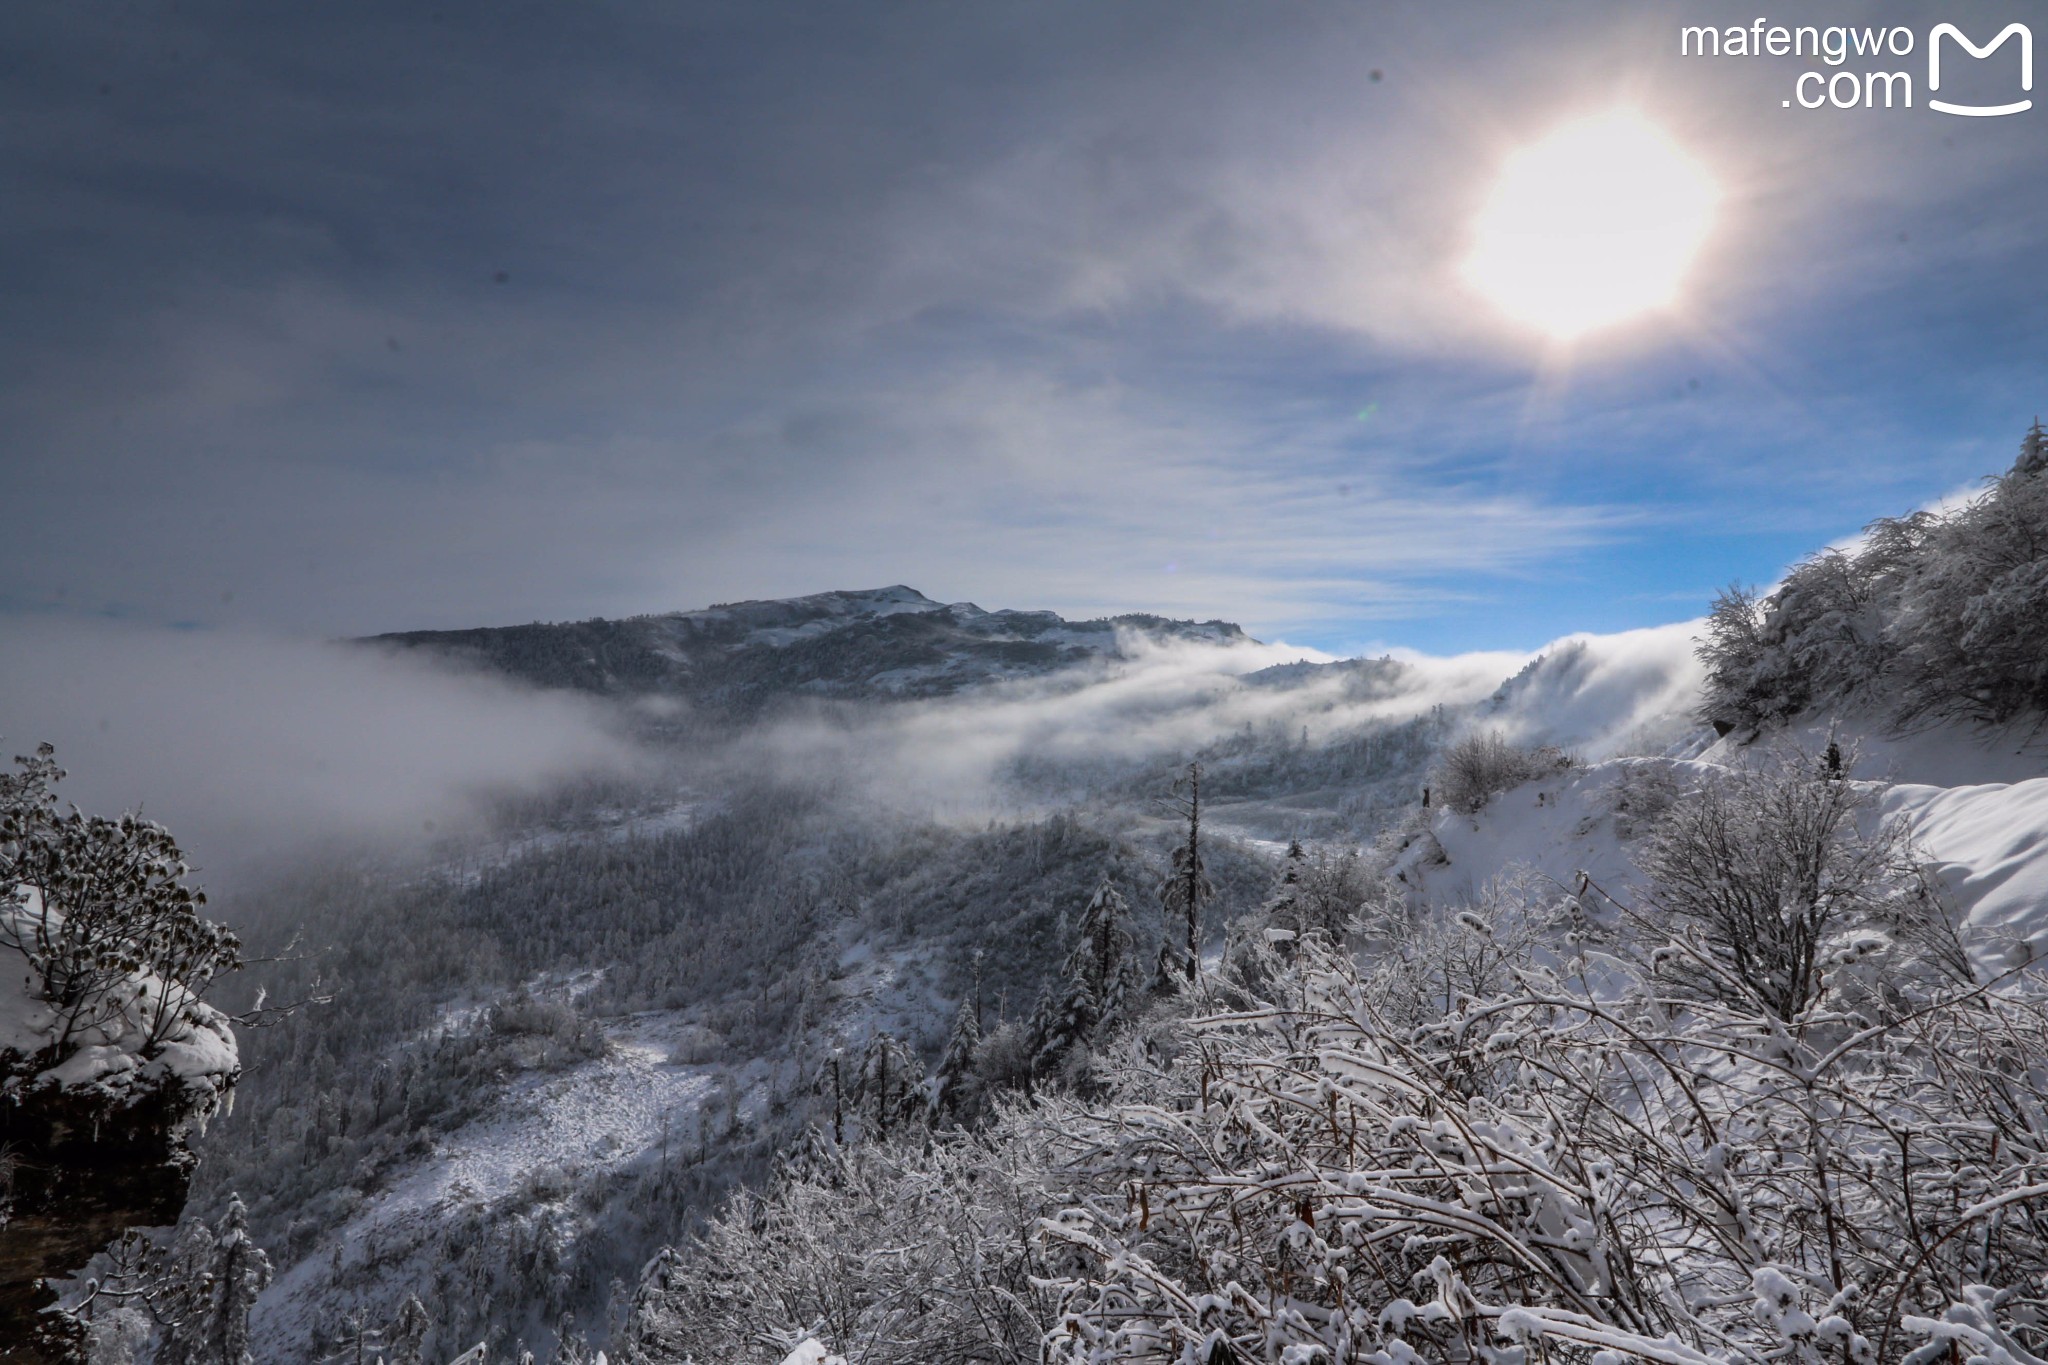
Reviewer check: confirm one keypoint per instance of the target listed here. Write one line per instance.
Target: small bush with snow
(112, 954)
(1481, 766)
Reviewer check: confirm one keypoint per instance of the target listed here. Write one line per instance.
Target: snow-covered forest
(976, 987)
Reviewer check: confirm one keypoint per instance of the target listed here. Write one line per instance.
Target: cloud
(961, 756)
(1600, 695)
(254, 748)
(1023, 304)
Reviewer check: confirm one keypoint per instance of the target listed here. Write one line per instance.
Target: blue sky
(390, 316)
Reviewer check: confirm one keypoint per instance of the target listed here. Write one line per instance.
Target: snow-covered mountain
(716, 980)
(549, 1055)
(889, 642)
(666, 988)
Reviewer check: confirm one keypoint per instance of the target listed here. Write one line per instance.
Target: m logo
(1941, 31)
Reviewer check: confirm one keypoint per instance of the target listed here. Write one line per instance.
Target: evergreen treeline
(434, 993)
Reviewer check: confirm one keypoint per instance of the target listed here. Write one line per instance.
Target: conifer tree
(2033, 450)
(890, 1088)
(956, 1064)
(1282, 907)
(1186, 889)
(1098, 987)
(652, 1328)
(407, 1334)
(217, 1274)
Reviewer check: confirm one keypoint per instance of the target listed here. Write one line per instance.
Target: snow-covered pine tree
(890, 1089)
(1258, 942)
(406, 1337)
(1064, 1020)
(215, 1276)
(1110, 936)
(1097, 989)
(956, 1086)
(1184, 892)
(1282, 907)
(1292, 864)
(2033, 450)
(652, 1330)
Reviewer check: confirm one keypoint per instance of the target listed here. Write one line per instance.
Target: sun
(1595, 224)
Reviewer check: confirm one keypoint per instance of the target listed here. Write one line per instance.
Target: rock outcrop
(81, 1166)
(95, 1135)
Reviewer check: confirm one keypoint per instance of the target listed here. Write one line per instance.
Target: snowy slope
(547, 1135)
(549, 1140)
(1574, 822)
(1988, 844)
(1985, 840)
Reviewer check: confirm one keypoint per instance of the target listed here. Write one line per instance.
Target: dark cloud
(384, 315)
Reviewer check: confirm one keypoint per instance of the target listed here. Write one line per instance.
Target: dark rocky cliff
(79, 1166)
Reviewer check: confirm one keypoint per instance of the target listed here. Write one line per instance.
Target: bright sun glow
(1594, 224)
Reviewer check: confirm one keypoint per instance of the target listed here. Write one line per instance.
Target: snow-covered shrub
(538, 1032)
(1423, 965)
(914, 1253)
(98, 911)
(1100, 987)
(1567, 1173)
(1321, 894)
(1481, 766)
(1642, 793)
(1775, 885)
(1003, 1056)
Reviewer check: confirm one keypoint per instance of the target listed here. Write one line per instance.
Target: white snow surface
(1989, 847)
(1979, 815)
(1557, 827)
(596, 1115)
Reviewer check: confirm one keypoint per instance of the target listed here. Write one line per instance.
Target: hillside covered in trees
(881, 643)
(1356, 1011)
(1929, 617)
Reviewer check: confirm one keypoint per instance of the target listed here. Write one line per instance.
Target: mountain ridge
(851, 644)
